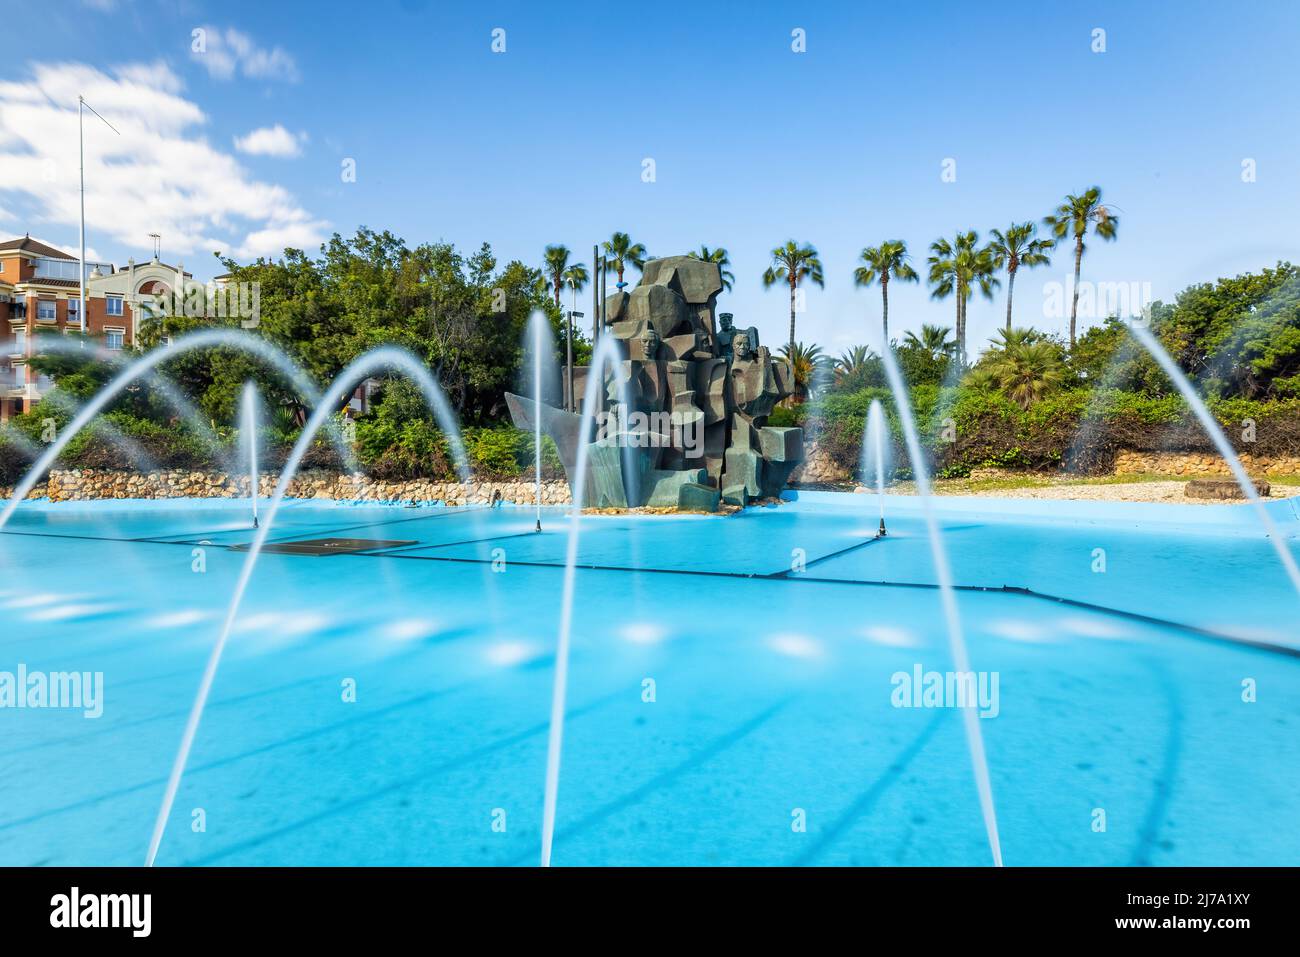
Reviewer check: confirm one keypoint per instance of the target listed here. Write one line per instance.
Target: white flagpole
(82, 106)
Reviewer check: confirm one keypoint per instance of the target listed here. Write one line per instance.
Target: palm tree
(621, 252)
(1024, 366)
(805, 362)
(852, 361)
(720, 257)
(852, 369)
(557, 261)
(793, 264)
(575, 277)
(933, 339)
(954, 268)
(1073, 217)
(1015, 248)
(888, 259)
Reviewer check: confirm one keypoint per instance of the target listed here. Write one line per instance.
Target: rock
(666, 487)
(696, 497)
(1223, 489)
(695, 280)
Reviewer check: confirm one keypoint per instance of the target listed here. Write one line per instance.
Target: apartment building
(40, 291)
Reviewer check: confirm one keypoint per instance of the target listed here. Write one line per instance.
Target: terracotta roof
(28, 245)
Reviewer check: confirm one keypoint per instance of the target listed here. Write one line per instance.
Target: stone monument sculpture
(683, 417)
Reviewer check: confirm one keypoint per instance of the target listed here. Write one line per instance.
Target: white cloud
(160, 175)
(223, 53)
(271, 141)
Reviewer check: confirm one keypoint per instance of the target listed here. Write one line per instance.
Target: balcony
(25, 390)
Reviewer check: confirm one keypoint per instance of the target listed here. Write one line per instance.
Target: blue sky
(841, 145)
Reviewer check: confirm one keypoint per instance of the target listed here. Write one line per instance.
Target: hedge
(1078, 431)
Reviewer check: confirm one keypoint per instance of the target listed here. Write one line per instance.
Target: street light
(568, 352)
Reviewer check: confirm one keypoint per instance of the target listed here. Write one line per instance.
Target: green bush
(1078, 430)
(401, 451)
(497, 451)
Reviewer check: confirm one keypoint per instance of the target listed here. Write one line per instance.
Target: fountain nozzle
(539, 525)
(882, 533)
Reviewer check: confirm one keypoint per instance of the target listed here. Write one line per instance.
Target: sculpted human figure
(650, 343)
(645, 377)
(753, 385)
(726, 333)
(740, 348)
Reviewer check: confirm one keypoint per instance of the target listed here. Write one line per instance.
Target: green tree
(1075, 217)
(1024, 365)
(933, 339)
(889, 259)
(858, 368)
(956, 267)
(792, 264)
(621, 252)
(806, 362)
(463, 315)
(557, 263)
(719, 256)
(924, 359)
(1239, 336)
(1015, 248)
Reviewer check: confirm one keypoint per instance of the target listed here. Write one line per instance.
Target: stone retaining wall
(82, 484)
(1197, 464)
(818, 466)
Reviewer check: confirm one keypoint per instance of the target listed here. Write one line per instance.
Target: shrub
(1078, 430)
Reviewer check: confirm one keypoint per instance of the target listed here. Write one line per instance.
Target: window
(20, 341)
(47, 268)
(114, 306)
(74, 311)
(46, 310)
(113, 338)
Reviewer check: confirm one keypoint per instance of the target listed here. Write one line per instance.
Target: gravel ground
(1104, 492)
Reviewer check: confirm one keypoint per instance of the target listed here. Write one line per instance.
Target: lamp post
(82, 106)
(597, 263)
(568, 350)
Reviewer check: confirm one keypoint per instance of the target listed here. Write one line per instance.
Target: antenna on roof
(157, 245)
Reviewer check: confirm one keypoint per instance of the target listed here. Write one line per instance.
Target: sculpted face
(650, 342)
(727, 324)
(740, 346)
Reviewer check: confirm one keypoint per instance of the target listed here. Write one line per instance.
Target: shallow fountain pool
(732, 697)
